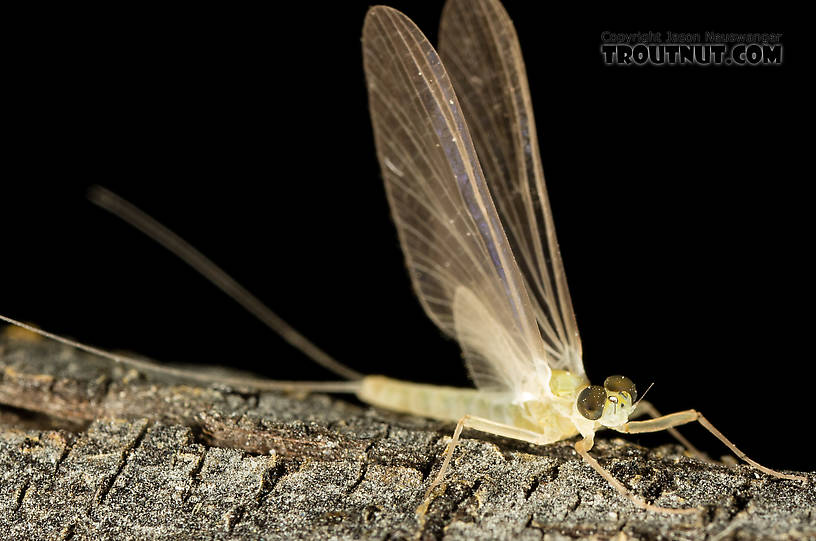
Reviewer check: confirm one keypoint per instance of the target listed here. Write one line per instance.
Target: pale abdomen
(453, 403)
(434, 401)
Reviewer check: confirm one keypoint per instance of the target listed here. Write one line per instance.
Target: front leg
(644, 407)
(683, 417)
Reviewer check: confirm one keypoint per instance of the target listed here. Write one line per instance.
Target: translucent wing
(485, 342)
(447, 224)
(479, 47)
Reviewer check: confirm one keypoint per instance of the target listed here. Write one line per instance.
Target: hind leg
(483, 425)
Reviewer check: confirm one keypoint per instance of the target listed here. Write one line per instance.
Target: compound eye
(591, 402)
(619, 384)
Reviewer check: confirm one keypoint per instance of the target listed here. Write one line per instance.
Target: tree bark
(90, 450)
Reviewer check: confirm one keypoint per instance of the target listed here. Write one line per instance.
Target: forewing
(480, 49)
(448, 226)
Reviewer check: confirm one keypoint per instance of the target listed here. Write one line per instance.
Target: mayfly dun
(484, 262)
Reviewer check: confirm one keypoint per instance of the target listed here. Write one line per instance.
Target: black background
(678, 193)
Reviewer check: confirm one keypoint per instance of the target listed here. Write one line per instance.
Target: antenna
(644, 394)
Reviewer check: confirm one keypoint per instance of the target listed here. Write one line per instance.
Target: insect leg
(483, 425)
(683, 417)
(583, 446)
(448, 454)
(646, 407)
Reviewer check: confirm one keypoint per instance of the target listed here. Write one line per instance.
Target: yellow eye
(621, 384)
(591, 402)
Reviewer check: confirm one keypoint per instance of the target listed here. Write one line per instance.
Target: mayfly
(484, 263)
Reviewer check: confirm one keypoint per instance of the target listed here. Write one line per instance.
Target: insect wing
(451, 236)
(480, 49)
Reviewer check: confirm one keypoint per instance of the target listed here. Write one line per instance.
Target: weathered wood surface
(93, 451)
